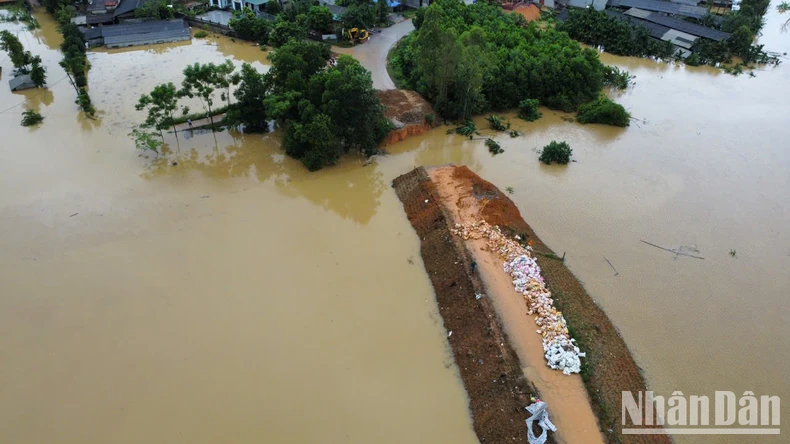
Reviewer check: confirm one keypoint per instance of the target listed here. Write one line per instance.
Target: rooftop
(661, 6)
(680, 25)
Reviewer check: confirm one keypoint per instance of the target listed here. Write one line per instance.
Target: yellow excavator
(357, 35)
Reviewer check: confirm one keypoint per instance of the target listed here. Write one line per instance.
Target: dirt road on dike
(566, 395)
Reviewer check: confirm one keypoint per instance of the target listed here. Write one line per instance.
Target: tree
(248, 26)
(382, 11)
(556, 152)
(84, 102)
(65, 13)
(320, 18)
(224, 78)
(74, 62)
(274, 7)
(466, 59)
(294, 63)
(325, 112)
(154, 10)
(740, 42)
(349, 99)
(285, 30)
(145, 139)
(202, 80)
(38, 74)
(30, 118)
(160, 104)
(358, 16)
(16, 52)
(250, 109)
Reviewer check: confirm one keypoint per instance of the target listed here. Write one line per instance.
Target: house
(238, 5)
(21, 82)
(337, 11)
(221, 4)
(140, 33)
(598, 5)
(93, 36)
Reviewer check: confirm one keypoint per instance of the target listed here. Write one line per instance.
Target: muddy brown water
(236, 297)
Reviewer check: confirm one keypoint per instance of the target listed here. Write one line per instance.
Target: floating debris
(560, 349)
(541, 416)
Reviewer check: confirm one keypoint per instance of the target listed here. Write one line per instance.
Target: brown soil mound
(530, 12)
(489, 368)
(407, 110)
(608, 368)
(405, 106)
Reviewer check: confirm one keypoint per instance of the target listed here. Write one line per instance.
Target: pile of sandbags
(560, 349)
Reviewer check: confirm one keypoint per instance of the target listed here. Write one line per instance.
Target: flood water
(235, 297)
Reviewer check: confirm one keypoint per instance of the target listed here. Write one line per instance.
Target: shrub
(430, 119)
(528, 110)
(201, 34)
(603, 110)
(493, 147)
(30, 118)
(556, 152)
(467, 129)
(613, 76)
(497, 123)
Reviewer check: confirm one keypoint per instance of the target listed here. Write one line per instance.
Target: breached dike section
(495, 281)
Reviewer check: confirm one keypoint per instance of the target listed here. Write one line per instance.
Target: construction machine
(357, 35)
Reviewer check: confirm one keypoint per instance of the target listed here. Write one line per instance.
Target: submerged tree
(528, 110)
(23, 61)
(250, 109)
(202, 80)
(556, 152)
(326, 112)
(145, 139)
(30, 118)
(604, 110)
(16, 52)
(84, 102)
(38, 74)
(160, 104)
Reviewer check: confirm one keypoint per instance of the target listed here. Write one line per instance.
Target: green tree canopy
(325, 112)
(285, 30)
(248, 26)
(154, 10)
(320, 18)
(16, 51)
(38, 74)
(160, 104)
(250, 109)
(202, 80)
(466, 59)
(603, 110)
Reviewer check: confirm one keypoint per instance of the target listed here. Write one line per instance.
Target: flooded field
(236, 297)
